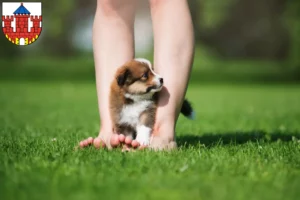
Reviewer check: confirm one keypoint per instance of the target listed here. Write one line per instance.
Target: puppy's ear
(122, 77)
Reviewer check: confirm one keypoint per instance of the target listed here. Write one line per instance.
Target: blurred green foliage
(206, 69)
(292, 16)
(223, 31)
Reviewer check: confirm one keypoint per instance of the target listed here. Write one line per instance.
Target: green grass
(244, 144)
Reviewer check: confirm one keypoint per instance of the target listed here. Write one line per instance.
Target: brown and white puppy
(133, 100)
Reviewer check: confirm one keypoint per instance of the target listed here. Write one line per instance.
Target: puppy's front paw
(143, 135)
(143, 139)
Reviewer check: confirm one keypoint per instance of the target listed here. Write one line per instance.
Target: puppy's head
(137, 77)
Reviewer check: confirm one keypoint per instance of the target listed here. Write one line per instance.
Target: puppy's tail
(187, 110)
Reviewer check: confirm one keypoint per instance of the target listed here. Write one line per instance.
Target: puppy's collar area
(135, 97)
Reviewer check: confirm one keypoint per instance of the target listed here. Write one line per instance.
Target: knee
(109, 7)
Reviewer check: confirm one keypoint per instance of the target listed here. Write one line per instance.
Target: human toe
(98, 143)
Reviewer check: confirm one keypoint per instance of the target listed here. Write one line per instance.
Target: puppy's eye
(145, 75)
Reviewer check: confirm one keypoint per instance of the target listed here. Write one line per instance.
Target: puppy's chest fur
(130, 113)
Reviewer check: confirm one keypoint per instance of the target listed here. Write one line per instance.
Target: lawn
(244, 144)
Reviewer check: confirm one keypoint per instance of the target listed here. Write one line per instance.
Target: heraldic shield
(22, 22)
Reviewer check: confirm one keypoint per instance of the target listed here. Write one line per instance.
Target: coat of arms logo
(22, 22)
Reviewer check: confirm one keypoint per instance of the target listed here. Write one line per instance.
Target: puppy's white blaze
(143, 135)
(143, 60)
(130, 113)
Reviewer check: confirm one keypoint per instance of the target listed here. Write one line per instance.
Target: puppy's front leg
(143, 135)
(145, 126)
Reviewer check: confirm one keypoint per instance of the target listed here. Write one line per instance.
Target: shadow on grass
(210, 139)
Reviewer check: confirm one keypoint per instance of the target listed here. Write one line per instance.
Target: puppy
(133, 100)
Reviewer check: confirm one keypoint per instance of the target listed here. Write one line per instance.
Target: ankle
(165, 129)
(105, 130)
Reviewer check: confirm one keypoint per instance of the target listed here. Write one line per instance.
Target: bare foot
(163, 138)
(159, 143)
(130, 144)
(98, 142)
(110, 141)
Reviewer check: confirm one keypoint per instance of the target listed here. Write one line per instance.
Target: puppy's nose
(161, 80)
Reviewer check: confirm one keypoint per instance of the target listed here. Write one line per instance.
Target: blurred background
(236, 41)
(244, 87)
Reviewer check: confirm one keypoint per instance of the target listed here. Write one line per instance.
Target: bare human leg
(113, 44)
(173, 56)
